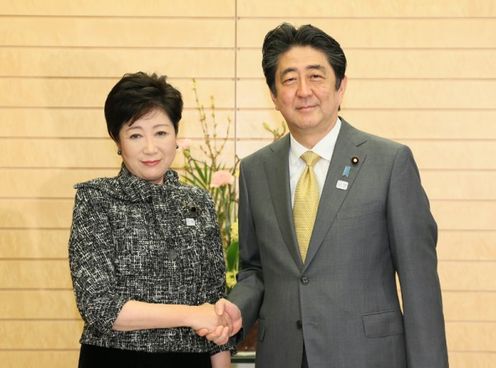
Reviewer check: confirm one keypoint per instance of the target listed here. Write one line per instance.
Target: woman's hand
(136, 315)
(204, 317)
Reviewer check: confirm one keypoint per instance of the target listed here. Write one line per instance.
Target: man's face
(306, 92)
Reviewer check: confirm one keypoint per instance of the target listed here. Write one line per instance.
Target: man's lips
(305, 108)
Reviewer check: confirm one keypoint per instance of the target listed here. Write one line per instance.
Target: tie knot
(310, 158)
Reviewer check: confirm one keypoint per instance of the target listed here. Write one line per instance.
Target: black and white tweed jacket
(134, 240)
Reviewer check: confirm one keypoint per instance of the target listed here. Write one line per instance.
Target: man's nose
(303, 88)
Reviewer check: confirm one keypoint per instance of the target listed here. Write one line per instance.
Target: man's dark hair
(135, 95)
(285, 36)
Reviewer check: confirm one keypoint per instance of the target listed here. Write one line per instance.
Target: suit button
(304, 280)
(299, 325)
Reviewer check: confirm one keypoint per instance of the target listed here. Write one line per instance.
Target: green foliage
(217, 178)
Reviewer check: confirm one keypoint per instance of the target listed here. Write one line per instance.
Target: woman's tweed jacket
(134, 240)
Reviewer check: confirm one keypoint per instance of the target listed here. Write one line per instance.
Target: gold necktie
(306, 202)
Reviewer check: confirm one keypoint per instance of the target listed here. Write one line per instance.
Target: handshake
(217, 322)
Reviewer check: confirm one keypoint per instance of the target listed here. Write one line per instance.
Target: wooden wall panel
(477, 306)
(114, 32)
(38, 304)
(473, 245)
(35, 274)
(36, 213)
(39, 358)
(362, 9)
(465, 336)
(40, 334)
(477, 276)
(132, 8)
(100, 62)
(47, 183)
(471, 185)
(383, 32)
(451, 154)
(34, 243)
(464, 215)
(478, 359)
(59, 153)
(422, 73)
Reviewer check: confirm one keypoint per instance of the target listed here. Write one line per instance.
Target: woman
(145, 252)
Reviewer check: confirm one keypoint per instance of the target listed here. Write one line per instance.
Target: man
(327, 297)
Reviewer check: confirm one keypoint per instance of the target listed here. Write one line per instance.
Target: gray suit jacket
(342, 302)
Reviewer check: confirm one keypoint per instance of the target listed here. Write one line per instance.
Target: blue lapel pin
(346, 171)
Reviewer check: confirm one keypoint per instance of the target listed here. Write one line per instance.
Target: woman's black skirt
(95, 356)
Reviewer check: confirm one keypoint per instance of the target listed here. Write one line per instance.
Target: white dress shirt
(324, 148)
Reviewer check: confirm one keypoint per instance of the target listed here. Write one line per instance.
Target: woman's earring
(119, 152)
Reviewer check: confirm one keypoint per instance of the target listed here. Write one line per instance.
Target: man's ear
(274, 100)
(342, 86)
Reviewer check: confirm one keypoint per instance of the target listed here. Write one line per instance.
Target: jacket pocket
(383, 324)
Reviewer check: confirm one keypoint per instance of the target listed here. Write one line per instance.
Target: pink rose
(184, 143)
(220, 178)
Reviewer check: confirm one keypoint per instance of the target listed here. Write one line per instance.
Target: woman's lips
(150, 162)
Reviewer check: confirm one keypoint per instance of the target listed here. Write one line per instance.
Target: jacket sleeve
(214, 284)
(249, 289)
(91, 259)
(413, 237)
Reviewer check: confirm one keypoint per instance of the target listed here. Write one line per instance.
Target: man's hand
(205, 316)
(232, 315)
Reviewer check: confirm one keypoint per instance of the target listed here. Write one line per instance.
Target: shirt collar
(324, 148)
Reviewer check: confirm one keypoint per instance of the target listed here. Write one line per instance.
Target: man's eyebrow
(308, 67)
(287, 70)
(315, 66)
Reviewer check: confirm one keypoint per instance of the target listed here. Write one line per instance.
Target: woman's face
(148, 146)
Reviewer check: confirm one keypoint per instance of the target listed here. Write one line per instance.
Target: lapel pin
(190, 221)
(341, 184)
(191, 216)
(355, 160)
(346, 171)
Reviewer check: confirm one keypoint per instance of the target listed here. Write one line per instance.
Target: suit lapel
(277, 173)
(333, 193)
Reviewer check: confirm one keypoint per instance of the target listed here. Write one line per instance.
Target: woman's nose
(150, 146)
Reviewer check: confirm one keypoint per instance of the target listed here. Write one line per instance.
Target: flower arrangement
(217, 178)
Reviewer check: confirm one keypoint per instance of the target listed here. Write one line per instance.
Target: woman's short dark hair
(285, 36)
(135, 95)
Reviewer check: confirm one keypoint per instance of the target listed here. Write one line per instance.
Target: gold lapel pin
(355, 160)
